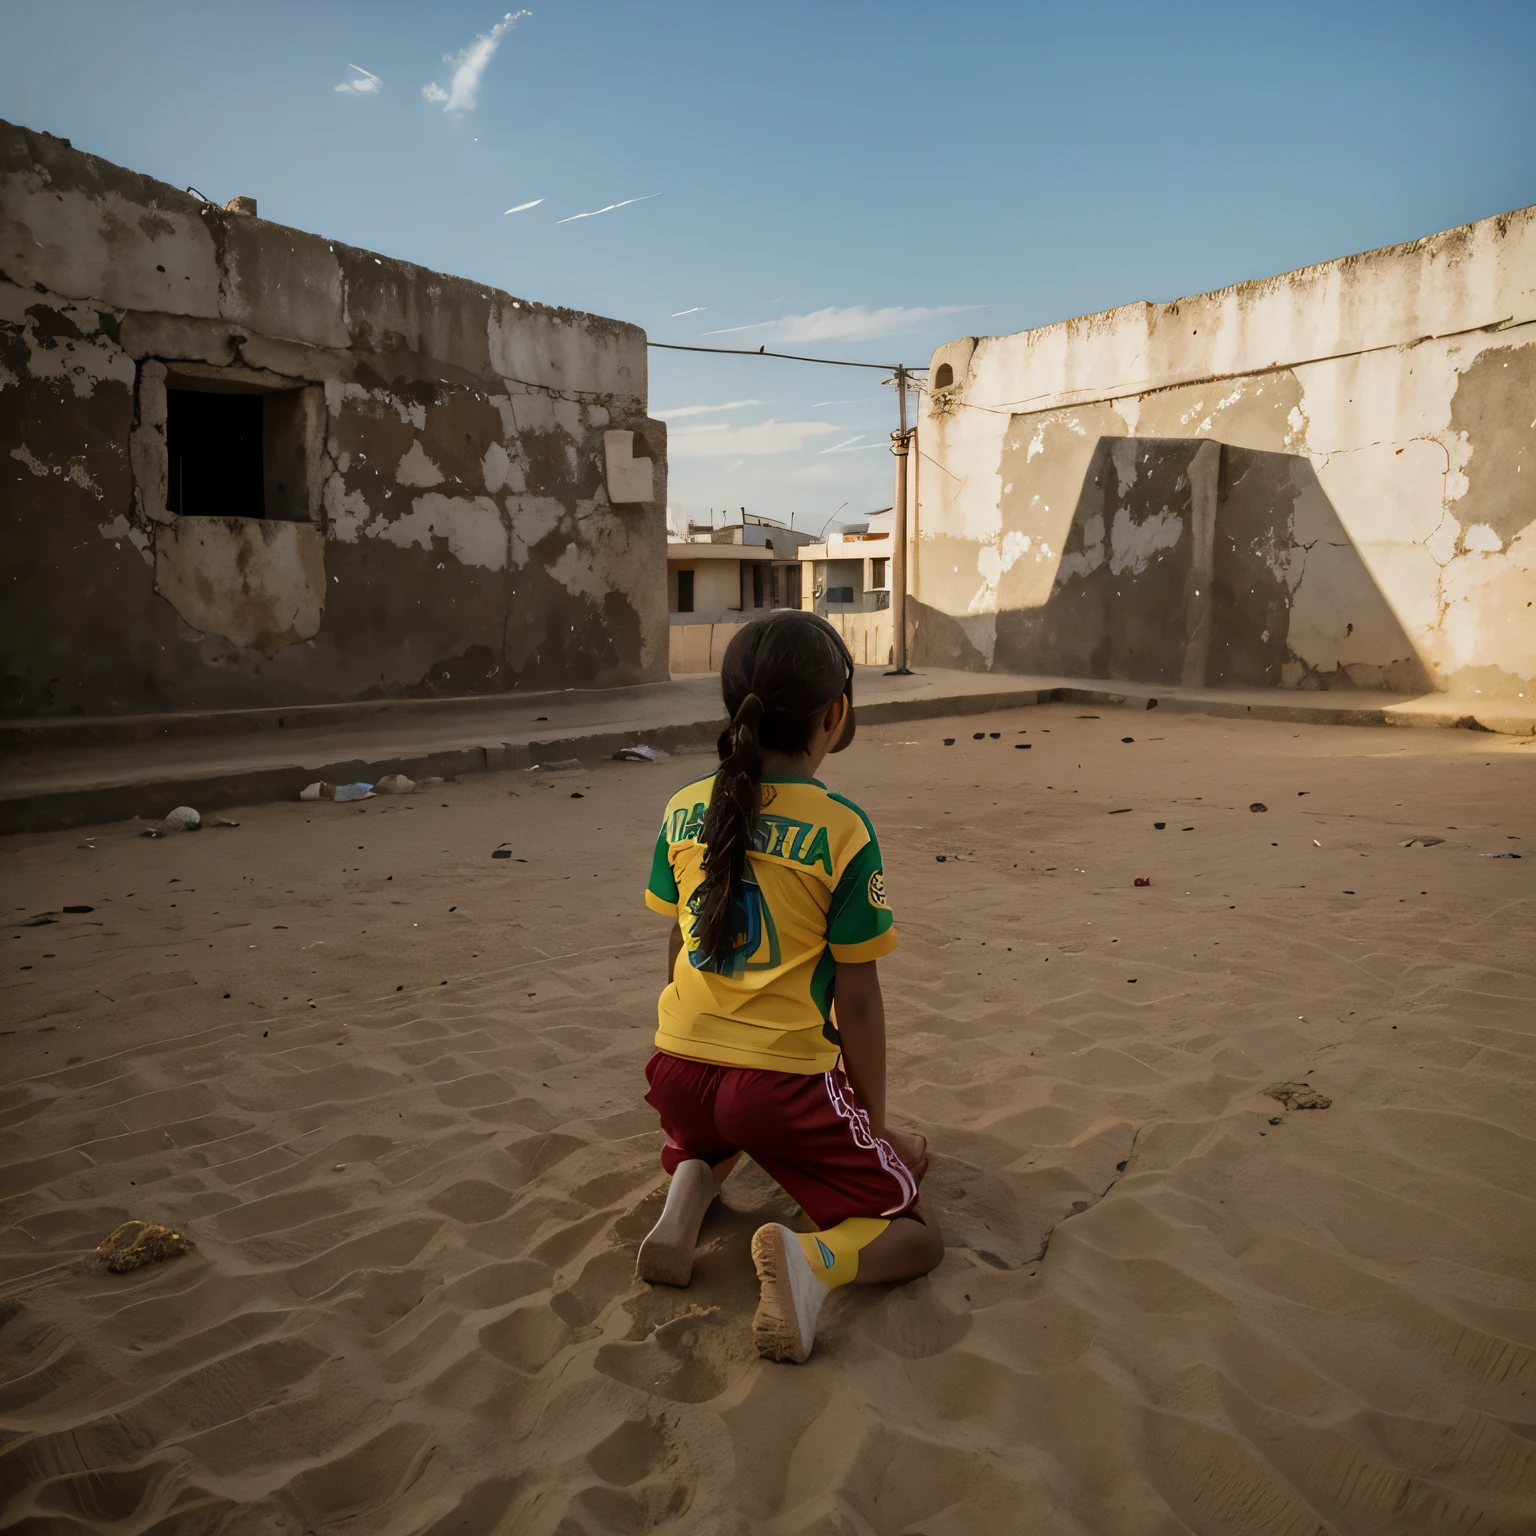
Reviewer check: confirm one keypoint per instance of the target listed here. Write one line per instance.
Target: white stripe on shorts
(858, 1125)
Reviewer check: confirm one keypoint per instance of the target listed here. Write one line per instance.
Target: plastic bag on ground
(182, 819)
(325, 791)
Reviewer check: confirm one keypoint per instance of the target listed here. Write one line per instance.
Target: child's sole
(664, 1261)
(781, 1329)
(666, 1255)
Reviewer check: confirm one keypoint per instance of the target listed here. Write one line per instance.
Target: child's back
(812, 894)
(771, 1031)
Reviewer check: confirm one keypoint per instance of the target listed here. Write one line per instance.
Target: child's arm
(859, 1011)
(860, 1015)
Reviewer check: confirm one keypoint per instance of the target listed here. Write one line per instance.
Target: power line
(901, 445)
(829, 362)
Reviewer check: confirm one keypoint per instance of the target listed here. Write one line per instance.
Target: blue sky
(872, 178)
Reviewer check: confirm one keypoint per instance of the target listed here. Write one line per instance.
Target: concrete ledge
(56, 731)
(72, 772)
(1309, 708)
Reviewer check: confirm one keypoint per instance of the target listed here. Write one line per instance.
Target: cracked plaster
(1404, 378)
(460, 519)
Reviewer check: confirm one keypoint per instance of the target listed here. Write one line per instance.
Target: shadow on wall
(1193, 562)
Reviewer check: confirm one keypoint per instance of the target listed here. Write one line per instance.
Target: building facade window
(227, 442)
(685, 591)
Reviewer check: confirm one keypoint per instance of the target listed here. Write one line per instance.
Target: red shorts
(806, 1131)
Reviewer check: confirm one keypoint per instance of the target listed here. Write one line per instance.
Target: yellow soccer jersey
(813, 894)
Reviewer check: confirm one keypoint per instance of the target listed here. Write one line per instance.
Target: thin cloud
(368, 85)
(469, 66)
(816, 405)
(718, 441)
(524, 207)
(853, 445)
(697, 309)
(705, 410)
(857, 323)
(609, 209)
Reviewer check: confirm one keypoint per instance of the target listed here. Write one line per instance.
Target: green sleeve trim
(871, 949)
(662, 884)
(858, 912)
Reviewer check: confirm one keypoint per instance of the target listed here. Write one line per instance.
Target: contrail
(524, 207)
(609, 209)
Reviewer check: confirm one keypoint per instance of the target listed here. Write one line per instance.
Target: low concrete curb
(1302, 709)
(153, 793)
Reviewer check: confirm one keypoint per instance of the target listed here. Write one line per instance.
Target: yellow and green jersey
(813, 893)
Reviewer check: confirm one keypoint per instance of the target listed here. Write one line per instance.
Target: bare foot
(666, 1255)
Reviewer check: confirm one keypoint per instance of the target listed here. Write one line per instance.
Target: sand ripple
(411, 1307)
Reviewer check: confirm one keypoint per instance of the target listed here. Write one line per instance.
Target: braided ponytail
(728, 827)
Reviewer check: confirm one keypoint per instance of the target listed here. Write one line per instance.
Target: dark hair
(779, 675)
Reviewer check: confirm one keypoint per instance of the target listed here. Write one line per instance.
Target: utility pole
(901, 443)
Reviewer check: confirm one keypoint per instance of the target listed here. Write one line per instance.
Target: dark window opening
(943, 376)
(792, 586)
(877, 569)
(685, 591)
(757, 586)
(214, 444)
(839, 594)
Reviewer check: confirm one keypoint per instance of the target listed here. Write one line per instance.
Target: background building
(718, 577)
(848, 582)
(252, 466)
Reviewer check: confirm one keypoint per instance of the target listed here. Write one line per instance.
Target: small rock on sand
(1298, 1096)
(137, 1243)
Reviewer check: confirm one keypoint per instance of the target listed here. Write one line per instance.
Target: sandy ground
(391, 1088)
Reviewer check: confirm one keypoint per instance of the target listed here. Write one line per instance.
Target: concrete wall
(867, 635)
(1315, 479)
(473, 494)
(701, 647)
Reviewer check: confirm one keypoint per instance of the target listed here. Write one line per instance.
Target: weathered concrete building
(245, 465)
(1315, 479)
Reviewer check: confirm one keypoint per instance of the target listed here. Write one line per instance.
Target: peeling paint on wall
(1385, 403)
(470, 526)
(455, 530)
(257, 584)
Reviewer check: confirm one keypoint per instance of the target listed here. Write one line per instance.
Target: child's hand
(912, 1149)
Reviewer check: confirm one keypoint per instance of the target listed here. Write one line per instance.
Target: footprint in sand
(496, 1285)
(634, 1450)
(472, 1201)
(527, 1338)
(691, 1359)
